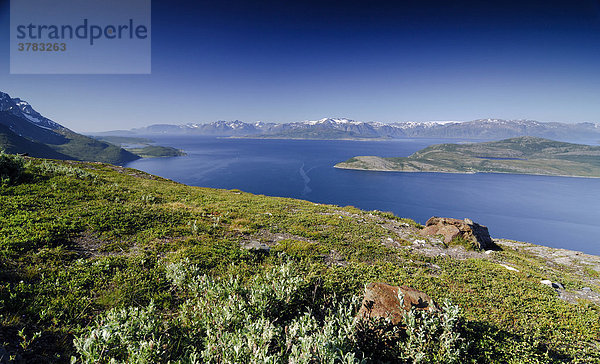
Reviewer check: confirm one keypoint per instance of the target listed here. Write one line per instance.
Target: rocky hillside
(101, 262)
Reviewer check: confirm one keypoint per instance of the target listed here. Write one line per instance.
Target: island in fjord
(521, 155)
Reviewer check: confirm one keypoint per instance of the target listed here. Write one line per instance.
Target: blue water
(560, 212)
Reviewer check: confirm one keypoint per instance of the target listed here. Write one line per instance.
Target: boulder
(256, 246)
(466, 229)
(555, 285)
(384, 301)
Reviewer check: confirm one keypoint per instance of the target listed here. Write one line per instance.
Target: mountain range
(342, 128)
(24, 130)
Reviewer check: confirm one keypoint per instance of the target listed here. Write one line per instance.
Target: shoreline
(322, 139)
(458, 172)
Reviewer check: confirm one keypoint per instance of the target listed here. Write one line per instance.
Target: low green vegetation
(101, 263)
(523, 155)
(271, 317)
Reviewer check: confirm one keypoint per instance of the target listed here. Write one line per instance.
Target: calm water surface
(560, 212)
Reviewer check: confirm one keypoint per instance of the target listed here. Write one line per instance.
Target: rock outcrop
(466, 229)
(385, 301)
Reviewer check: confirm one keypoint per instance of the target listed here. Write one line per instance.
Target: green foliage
(422, 337)
(12, 168)
(227, 320)
(57, 169)
(224, 321)
(433, 337)
(132, 335)
(79, 241)
(461, 241)
(591, 272)
(300, 249)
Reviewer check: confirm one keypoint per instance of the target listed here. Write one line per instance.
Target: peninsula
(521, 155)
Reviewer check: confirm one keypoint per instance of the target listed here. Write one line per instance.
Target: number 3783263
(42, 47)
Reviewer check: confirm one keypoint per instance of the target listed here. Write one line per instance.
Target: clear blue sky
(281, 61)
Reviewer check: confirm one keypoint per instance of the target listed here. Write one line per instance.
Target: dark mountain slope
(25, 130)
(12, 143)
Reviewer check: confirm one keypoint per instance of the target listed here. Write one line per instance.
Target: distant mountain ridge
(24, 130)
(343, 128)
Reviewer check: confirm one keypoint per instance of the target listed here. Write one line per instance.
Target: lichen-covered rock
(256, 246)
(385, 301)
(465, 229)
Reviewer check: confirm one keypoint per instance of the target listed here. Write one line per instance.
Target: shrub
(300, 249)
(332, 340)
(422, 337)
(133, 335)
(12, 168)
(229, 320)
(47, 167)
(433, 337)
(467, 244)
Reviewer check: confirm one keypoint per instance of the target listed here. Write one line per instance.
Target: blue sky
(281, 61)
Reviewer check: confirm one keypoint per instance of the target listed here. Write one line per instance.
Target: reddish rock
(466, 229)
(382, 300)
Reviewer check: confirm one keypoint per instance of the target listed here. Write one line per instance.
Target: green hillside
(523, 155)
(99, 262)
(142, 147)
(13, 143)
(84, 148)
(18, 135)
(156, 151)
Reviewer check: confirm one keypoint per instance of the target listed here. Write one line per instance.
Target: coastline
(458, 172)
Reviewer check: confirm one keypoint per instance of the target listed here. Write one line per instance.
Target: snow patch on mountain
(332, 121)
(23, 109)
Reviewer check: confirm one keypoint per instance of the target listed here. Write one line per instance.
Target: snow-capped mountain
(24, 130)
(23, 109)
(344, 128)
(332, 121)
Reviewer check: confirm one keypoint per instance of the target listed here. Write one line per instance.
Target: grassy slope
(74, 244)
(525, 155)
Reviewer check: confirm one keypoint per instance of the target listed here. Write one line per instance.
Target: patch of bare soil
(265, 239)
(90, 245)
